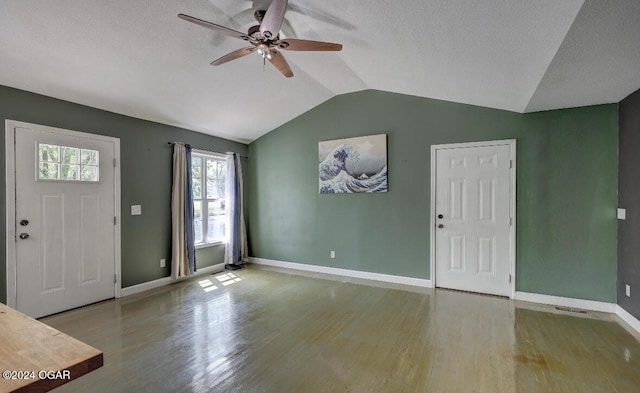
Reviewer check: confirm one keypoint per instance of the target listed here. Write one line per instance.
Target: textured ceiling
(137, 58)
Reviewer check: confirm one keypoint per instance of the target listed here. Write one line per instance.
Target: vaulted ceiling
(137, 58)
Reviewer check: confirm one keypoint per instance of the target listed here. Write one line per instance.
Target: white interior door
(64, 212)
(473, 218)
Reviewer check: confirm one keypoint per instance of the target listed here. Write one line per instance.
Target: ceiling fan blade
(307, 45)
(272, 21)
(281, 64)
(214, 27)
(236, 54)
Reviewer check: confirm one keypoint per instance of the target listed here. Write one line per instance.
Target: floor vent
(574, 310)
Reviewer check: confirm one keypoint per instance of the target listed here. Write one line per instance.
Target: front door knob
(440, 226)
(24, 223)
(24, 236)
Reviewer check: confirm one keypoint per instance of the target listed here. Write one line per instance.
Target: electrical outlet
(628, 290)
(163, 263)
(333, 254)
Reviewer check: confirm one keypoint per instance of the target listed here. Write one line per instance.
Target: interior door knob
(24, 223)
(24, 236)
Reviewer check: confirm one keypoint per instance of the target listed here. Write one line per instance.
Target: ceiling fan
(265, 38)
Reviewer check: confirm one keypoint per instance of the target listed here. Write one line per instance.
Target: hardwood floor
(266, 331)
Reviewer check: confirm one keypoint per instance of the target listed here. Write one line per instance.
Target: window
(208, 177)
(68, 163)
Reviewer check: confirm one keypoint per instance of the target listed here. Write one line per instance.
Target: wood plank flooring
(258, 330)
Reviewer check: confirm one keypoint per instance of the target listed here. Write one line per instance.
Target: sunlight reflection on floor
(223, 278)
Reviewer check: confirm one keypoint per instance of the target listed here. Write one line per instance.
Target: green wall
(566, 198)
(566, 190)
(146, 161)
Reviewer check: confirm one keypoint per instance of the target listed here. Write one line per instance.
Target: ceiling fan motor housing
(254, 31)
(259, 15)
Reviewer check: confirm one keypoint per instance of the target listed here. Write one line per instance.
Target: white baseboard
(590, 305)
(145, 286)
(416, 282)
(628, 318)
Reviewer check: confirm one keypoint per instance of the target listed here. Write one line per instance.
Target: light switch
(136, 210)
(622, 214)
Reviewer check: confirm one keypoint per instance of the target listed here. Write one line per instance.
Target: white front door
(64, 212)
(473, 239)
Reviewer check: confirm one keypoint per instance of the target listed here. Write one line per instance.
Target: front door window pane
(69, 155)
(68, 172)
(48, 171)
(89, 173)
(48, 153)
(67, 163)
(89, 157)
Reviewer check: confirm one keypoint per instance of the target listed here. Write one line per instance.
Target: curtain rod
(209, 151)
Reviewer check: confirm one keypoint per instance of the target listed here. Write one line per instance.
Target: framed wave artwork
(353, 165)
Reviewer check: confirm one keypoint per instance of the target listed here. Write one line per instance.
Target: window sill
(212, 244)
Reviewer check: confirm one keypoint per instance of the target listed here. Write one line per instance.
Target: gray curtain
(236, 250)
(183, 256)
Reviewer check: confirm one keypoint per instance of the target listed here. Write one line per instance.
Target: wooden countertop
(37, 358)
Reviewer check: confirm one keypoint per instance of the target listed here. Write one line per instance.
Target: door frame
(512, 205)
(10, 193)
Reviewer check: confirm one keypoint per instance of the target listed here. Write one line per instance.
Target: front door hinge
(115, 278)
(509, 278)
(510, 163)
(114, 220)
(114, 162)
